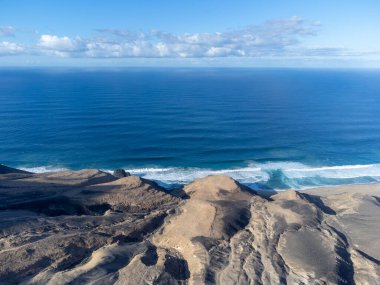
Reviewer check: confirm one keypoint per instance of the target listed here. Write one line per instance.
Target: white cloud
(273, 39)
(60, 46)
(9, 48)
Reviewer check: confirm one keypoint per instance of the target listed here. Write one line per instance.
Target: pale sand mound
(89, 227)
(356, 211)
(217, 209)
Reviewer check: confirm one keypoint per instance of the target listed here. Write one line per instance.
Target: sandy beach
(92, 227)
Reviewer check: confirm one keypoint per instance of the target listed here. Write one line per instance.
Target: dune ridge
(90, 227)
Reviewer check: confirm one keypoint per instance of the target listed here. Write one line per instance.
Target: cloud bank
(273, 39)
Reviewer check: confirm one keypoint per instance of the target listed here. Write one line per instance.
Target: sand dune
(89, 227)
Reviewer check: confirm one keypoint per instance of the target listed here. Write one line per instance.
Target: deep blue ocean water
(275, 128)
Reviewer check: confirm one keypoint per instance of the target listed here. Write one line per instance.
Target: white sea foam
(293, 174)
(186, 175)
(272, 174)
(43, 169)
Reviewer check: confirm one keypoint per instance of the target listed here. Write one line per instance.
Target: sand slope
(89, 227)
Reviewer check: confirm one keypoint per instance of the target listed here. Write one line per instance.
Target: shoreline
(277, 176)
(92, 226)
(365, 187)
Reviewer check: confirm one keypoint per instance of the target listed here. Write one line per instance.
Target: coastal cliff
(91, 227)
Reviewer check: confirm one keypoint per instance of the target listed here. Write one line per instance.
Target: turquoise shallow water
(275, 128)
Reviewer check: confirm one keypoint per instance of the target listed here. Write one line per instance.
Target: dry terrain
(91, 227)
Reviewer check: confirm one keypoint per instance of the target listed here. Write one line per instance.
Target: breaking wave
(270, 175)
(43, 169)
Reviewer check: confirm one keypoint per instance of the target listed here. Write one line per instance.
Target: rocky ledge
(91, 227)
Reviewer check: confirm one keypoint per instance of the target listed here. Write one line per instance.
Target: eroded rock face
(90, 227)
(52, 223)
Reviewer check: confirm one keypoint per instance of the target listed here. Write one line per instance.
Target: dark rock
(176, 267)
(5, 170)
(150, 257)
(120, 173)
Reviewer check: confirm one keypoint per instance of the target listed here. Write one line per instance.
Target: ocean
(267, 128)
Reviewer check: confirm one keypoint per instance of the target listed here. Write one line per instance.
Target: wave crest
(274, 175)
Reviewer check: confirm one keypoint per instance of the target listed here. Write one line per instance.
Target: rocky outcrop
(120, 173)
(90, 227)
(51, 223)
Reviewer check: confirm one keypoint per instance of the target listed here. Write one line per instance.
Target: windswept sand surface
(90, 227)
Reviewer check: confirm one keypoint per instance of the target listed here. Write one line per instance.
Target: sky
(239, 33)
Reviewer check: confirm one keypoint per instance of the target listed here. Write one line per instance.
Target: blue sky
(270, 33)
